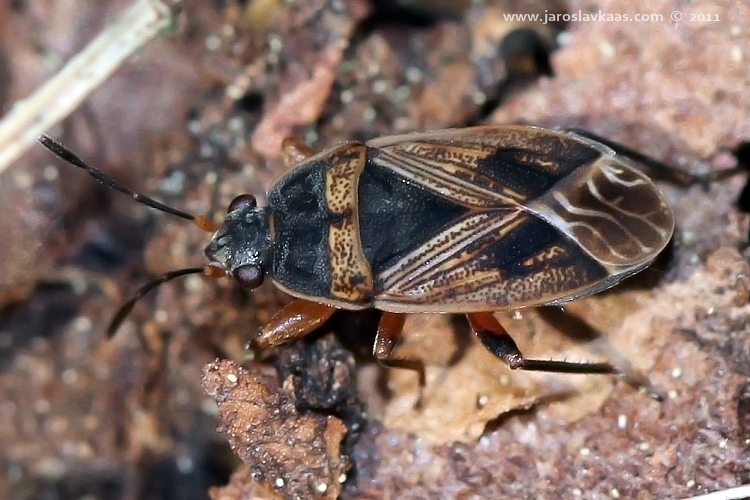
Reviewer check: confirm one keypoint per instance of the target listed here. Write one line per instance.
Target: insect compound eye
(242, 201)
(248, 276)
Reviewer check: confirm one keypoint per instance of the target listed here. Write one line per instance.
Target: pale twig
(60, 95)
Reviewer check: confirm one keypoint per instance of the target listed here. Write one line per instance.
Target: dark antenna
(65, 154)
(202, 222)
(125, 309)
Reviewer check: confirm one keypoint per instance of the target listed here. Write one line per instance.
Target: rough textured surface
(79, 416)
(322, 375)
(289, 453)
(310, 41)
(682, 94)
(628, 445)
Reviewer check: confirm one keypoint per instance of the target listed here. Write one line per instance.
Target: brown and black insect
(468, 221)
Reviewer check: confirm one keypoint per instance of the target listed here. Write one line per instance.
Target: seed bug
(466, 221)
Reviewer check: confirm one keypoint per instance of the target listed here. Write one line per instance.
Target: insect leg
(389, 331)
(656, 168)
(294, 321)
(294, 151)
(497, 340)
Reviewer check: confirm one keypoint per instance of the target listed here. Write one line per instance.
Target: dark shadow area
(390, 14)
(356, 330)
(251, 102)
(653, 275)
(6, 77)
(217, 462)
(102, 252)
(163, 479)
(18, 5)
(524, 414)
(44, 314)
(527, 57)
(106, 484)
(571, 326)
(743, 418)
(742, 153)
(463, 336)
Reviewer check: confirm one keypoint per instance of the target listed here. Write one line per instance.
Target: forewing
(552, 217)
(485, 167)
(488, 261)
(613, 211)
